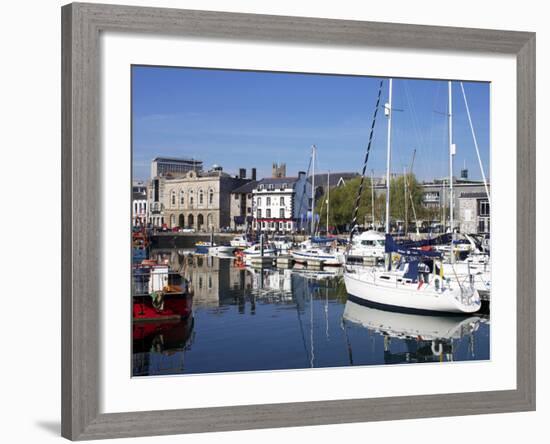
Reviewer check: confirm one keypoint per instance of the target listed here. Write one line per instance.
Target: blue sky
(251, 119)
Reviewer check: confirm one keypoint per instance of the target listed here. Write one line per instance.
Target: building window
(282, 213)
(236, 197)
(289, 225)
(268, 213)
(173, 198)
(280, 225)
(182, 197)
(270, 186)
(259, 216)
(259, 201)
(249, 210)
(211, 197)
(200, 197)
(483, 209)
(282, 201)
(268, 201)
(272, 225)
(263, 224)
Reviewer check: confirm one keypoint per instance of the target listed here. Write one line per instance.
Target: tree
(342, 202)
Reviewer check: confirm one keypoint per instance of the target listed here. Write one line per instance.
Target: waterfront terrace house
(281, 204)
(197, 200)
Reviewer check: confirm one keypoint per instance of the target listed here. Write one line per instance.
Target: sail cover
(406, 250)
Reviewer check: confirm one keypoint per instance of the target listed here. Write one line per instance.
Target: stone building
(196, 200)
(241, 206)
(474, 213)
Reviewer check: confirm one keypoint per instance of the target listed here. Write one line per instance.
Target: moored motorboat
(368, 244)
(218, 250)
(256, 250)
(240, 242)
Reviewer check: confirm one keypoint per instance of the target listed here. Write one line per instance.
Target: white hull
(221, 249)
(405, 295)
(326, 258)
(254, 253)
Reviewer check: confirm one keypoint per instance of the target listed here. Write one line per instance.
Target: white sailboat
(411, 287)
(325, 250)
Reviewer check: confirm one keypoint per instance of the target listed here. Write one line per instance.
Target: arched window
(182, 198)
(259, 202)
(200, 197)
(191, 199)
(173, 198)
(209, 221)
(172, 221)
(210, 197)
(200, 221)
(282, 201)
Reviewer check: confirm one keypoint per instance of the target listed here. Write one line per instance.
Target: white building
(139, 208)
(281, 203)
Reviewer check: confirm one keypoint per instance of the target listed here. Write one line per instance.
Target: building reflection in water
(248, 319)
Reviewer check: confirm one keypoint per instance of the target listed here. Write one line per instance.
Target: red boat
(160, 294)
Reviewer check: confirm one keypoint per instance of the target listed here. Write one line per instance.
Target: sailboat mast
(388, 165)
(388, 158)
(328, 196)
(372, 195)
(451, 154)
(313, 190)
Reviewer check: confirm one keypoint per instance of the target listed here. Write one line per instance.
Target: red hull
(176, 307)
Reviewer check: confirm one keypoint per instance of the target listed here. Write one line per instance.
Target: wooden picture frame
(81, 251)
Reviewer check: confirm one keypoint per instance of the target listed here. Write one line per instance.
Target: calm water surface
(247, 319)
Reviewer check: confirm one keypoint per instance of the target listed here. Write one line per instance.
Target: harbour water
(246, 319)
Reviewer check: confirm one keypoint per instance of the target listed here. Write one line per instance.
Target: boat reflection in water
(426, 338)
(246, 319)
(158, 346)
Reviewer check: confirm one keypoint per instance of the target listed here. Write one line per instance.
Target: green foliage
(342, 202)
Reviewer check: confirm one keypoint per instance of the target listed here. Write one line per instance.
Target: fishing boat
(159, 293)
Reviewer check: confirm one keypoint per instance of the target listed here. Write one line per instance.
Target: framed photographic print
(281, 221)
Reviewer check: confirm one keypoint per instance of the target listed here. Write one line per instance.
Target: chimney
(242, 173)
(253, 173)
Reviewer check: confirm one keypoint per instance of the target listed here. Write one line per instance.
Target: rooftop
(480, 195)
(176, 159)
